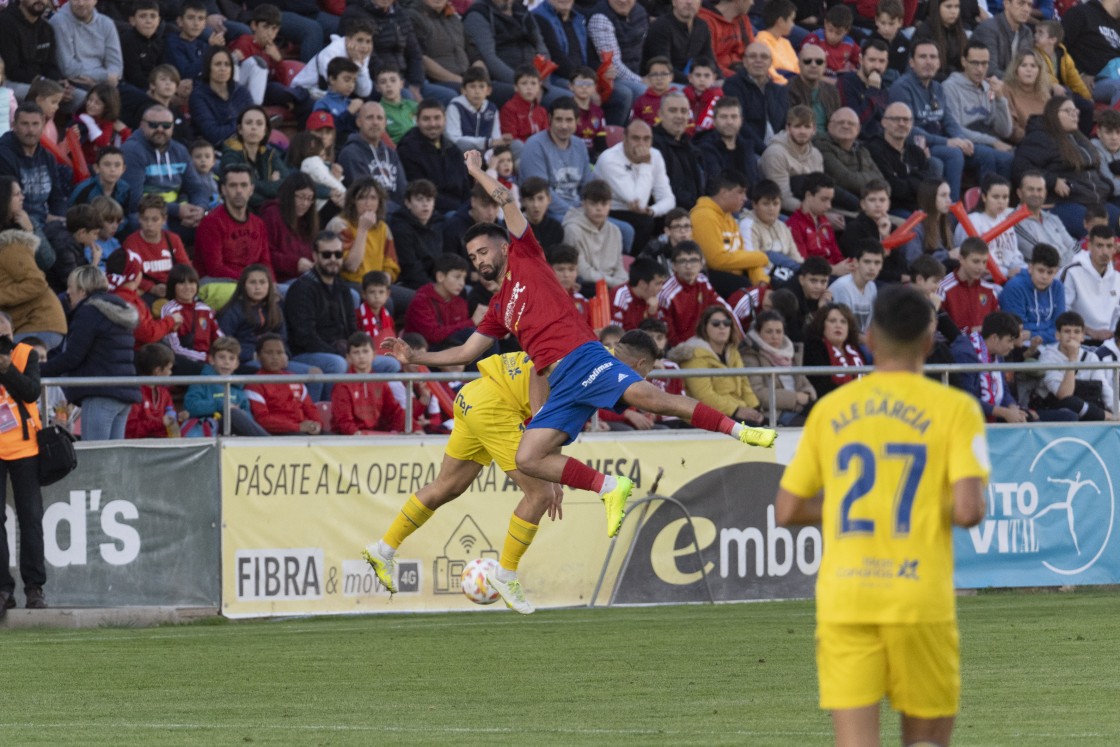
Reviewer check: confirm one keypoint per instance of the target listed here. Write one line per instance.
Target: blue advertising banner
(1051, 518)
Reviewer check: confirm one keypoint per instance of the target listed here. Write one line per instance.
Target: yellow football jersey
(886, 450)
(510, 372)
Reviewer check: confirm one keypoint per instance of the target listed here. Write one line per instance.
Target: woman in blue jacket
(218, 102)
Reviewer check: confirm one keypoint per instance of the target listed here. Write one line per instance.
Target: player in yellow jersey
(888, 464)
(490, 413)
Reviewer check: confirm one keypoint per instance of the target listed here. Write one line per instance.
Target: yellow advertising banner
(296, 515)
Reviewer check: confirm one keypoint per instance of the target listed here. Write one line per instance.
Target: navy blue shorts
(589, 378)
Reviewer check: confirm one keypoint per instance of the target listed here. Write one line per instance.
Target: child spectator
(157, 248)
(812, 232)
(995, 195)
(48, 95)
(111, 214)
(1037, 296)
(598, 241)
(191, 339)
(809, 291)
(1087, 393)
(108, 168)
(965, 296)
(778, 17)
(658, 330)
(687, 293)
(926, 274)
(438, 312)
(368, 407)
(1095, 215)
(678, 228)
(703, 93)
(203, 158)
(417, 232)
(473, 121)
(373, 318)
(281, 409)
(355, 44)
(99, 124)
(124, 270)
(841, 52)
(659, 76)
(205, 403)
(501, 167)
(523, 116)
(763, 229)
(1060, 65)
(72, 241)
(306, 153)
(610, 335)
(1107, 143)
(857, 289)
(636, 301)
(186, 49)
(591, 126)
(400, 113)
(154, 415)
(888, 27)
(253, 311)
(258, 57)
(142, 46)
(321, 124)
(564, 261)
(434, 399)
(342, 78)
(535, 203)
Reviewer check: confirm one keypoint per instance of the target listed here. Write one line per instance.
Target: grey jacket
(983, 119)
(1106, 159)
(91, 49)
(850, 168)
(996, 34)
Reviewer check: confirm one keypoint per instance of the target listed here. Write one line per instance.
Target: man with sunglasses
(154, 163)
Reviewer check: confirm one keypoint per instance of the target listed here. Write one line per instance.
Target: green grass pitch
(1039, 669)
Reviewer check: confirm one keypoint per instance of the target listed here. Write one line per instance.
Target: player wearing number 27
(888, 464)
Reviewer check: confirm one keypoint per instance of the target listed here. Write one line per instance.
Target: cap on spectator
(320, 120)
(133, 269)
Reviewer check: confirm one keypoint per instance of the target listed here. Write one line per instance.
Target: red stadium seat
(287, 70)
(614, 135)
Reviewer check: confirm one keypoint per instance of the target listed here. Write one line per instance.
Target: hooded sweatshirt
(717, 232)
(1037, 308)
(37, 174)
(1094, 296)
(782, 159)
(86, 49)
(280, 408)
(982, 117)
(168, 173)
(600, 249)
(365, 407)
(359, 159)
(313, 76)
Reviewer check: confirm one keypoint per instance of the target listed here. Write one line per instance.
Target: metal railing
(772, 374)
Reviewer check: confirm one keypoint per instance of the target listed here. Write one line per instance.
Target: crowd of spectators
(189, 187)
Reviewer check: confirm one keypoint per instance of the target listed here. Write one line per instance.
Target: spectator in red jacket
(159, 249)
(124, 270)
(439, 312)
(812, 232)
(687, 293)
(637, 300)
(366, 407)
(523, 116)
(154, 416)
(965, 296)
(281, 409)
(230, 238)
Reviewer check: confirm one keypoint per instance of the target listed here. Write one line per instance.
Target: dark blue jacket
(760, 105)
(555, 37)
(963, 352)
(247, 327)
(215, 118)
(38, 176)
(99, 343)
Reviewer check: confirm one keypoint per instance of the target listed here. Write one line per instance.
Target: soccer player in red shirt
(582, 375)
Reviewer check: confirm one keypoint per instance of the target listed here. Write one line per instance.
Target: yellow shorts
(918, 666)
(487, 427)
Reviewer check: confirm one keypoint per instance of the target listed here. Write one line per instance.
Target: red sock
(711, 419)
(578, 475)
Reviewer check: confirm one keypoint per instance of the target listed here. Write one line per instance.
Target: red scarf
(847, 357)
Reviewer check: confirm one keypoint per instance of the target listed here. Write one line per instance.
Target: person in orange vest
(19, 461)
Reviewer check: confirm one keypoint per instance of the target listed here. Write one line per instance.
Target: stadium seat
(627, 260)
(614, 135)
(287, 70)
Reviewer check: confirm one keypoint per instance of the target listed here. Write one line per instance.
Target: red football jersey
(533, 307)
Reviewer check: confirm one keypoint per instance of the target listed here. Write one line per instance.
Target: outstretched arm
(515, 221)
(476, 345)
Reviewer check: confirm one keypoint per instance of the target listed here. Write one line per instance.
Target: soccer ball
(474, 581)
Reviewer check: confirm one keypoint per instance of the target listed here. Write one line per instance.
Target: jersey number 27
(915, 457)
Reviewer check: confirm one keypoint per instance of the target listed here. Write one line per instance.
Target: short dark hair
(867, 246)
(1102, 232)
(1000, 324)
(449, 262)
(265, 13)
(82, 218)
(901, 314)
(817, 181)
(489, 230)
(475, 74)
(191, 5)
(776, 10)
(533, 186)
(1033, 174)
(892, 8)
(709, 63)
(237, 168)
(686, 247)
(1045, 255)
(387, 67)
(873, 185)
(357, 26)
(358, 340)
(269, 337)
(676, 213)
(973, 245)
(340, 65)
(420, 188)
(426, 104)
(525, 71)
(198, 144)
(728, 179)
(323, 237)
(641, 343)
(921, 42)
(28, 107)
(657, 60)
(926, 266)
(1095, 211)
(652, 324)
(877, 44)
(727, 102)
(179, 274)
(108, 150)
(766, 190)
(376, 279)
(973, 44)
(567, 103)
(597, 191)
(1069, 319)
(152, 356)
(647, 269)
(139, 5)
(563, 254)
(839, 16)
(583, 71)
(1108, 119)
(815, 266)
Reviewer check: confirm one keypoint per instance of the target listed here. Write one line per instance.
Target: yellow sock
(412, 516)
(518, 539)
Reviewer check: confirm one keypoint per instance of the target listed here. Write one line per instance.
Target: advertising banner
(132, 526)
(296, 515)
(1051, 518)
